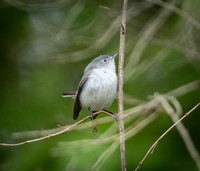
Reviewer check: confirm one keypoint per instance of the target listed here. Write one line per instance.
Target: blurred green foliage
(44, 48)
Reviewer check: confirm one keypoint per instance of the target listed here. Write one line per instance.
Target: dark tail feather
(69, 94)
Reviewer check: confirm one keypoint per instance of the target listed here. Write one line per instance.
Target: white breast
(100, 90)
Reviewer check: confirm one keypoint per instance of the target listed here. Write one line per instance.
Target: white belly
(100, 90)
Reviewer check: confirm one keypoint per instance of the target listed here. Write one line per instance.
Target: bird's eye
(105, 60)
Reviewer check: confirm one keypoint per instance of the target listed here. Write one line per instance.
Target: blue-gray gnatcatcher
(97, 88)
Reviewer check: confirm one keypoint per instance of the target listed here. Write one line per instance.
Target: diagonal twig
(181, 129)
(109, 9)
(55, 134)
(169, 129)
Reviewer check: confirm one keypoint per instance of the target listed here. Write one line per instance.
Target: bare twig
(169, 129)
(120, 84)
(181, 130)
(57, 133)
(107, 8)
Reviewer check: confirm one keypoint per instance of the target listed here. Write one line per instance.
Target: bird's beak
(116, 55)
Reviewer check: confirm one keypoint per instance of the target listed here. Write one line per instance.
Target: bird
(98, 87)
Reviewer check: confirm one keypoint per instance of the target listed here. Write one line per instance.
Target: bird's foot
(92, 117)
(94, 127)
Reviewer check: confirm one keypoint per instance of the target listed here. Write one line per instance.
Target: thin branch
(120, 86)
(169, 129)
(57, 133)
(107, 8)
(181, 129)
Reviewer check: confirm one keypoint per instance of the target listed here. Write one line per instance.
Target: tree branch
(169, 129)
(120, 84)
(57, 133)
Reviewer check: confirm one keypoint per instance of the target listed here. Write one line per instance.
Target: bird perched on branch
(97, 88)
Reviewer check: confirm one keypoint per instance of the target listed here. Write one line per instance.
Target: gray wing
(77, 105)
